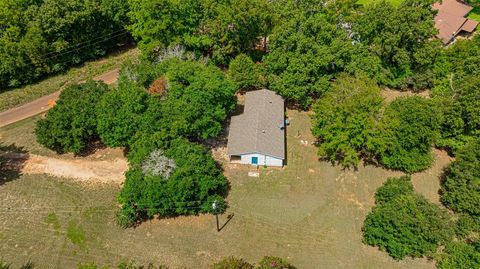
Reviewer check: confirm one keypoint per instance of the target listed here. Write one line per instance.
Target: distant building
(450, 20)
(257, 136)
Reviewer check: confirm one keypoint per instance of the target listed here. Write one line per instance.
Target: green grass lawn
(475, 15)
(309, 212)
(88, 70)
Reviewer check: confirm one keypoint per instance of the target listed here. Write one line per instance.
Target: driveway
(45, 103)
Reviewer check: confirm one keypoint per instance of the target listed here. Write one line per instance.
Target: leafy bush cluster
(183, 178)
(459, 255)
(38, 38)
(404, 223)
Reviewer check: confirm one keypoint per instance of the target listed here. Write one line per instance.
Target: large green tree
(345, 119)
(406, 224)
(403, 37)
(191, 188)
(405, 134)
(72, 123)
(459, 255)
(309, 48)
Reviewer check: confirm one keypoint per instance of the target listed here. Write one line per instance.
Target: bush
(232, 263)
(405, 224)
(72, 123)
(243, 71)
(191, 188)
(120, 114)
(461, 184)
(405, 135)
(345, 119)
(270, 262)
(459, 255)
(393, 188)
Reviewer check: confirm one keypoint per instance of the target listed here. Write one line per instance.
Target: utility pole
(214, 206)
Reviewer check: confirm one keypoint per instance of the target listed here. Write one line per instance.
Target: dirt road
(45, 103)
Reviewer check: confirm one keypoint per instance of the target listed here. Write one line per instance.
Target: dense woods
(42, 37)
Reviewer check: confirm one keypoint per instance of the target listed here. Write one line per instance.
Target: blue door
(254, 160)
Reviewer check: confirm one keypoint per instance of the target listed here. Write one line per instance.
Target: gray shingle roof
(258, 130)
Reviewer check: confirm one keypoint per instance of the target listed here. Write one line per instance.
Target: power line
(76, 49)
(87, 41)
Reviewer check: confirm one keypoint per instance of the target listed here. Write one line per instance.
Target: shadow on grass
(12, 161)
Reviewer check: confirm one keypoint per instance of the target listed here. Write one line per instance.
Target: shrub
(72, 123)
(405, 135)
(120, 113)
(270, 262)
(232, 263)
(461, 184)
(459, 255)
(345, 118)
(393, 188)
(243, 71)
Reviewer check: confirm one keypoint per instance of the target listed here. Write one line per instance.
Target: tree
(459, 255)
(197, 102)
(405, 134)
(193, 185)
(345, 119)
(120, 114)
(72, 123)
(309, 48)
(243, 71)
(402, 37)
(393, 188)
(232, 263)
(406, 225)
(461, 181)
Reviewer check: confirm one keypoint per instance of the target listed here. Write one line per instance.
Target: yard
(309, 212)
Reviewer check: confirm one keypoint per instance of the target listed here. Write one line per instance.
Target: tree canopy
(405, 134)
(38, 38)
(72, 123)
(344, 119)
(405, 224)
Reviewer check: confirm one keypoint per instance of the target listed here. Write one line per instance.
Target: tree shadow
(93, 146)
(12, 161)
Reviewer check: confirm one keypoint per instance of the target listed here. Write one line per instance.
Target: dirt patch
(92, 171)
(391, 95)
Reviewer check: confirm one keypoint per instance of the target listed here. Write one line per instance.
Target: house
(257, 136)
(450, 20)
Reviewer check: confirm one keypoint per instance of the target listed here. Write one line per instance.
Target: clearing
(309, 212)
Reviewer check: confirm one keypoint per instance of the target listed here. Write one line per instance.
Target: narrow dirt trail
(91, 171)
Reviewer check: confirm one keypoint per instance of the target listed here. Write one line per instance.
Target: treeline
(42, 37)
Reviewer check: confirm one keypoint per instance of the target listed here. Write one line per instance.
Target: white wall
(262, 160)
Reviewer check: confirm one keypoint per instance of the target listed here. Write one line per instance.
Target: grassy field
(19, 96)
(309, 212)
